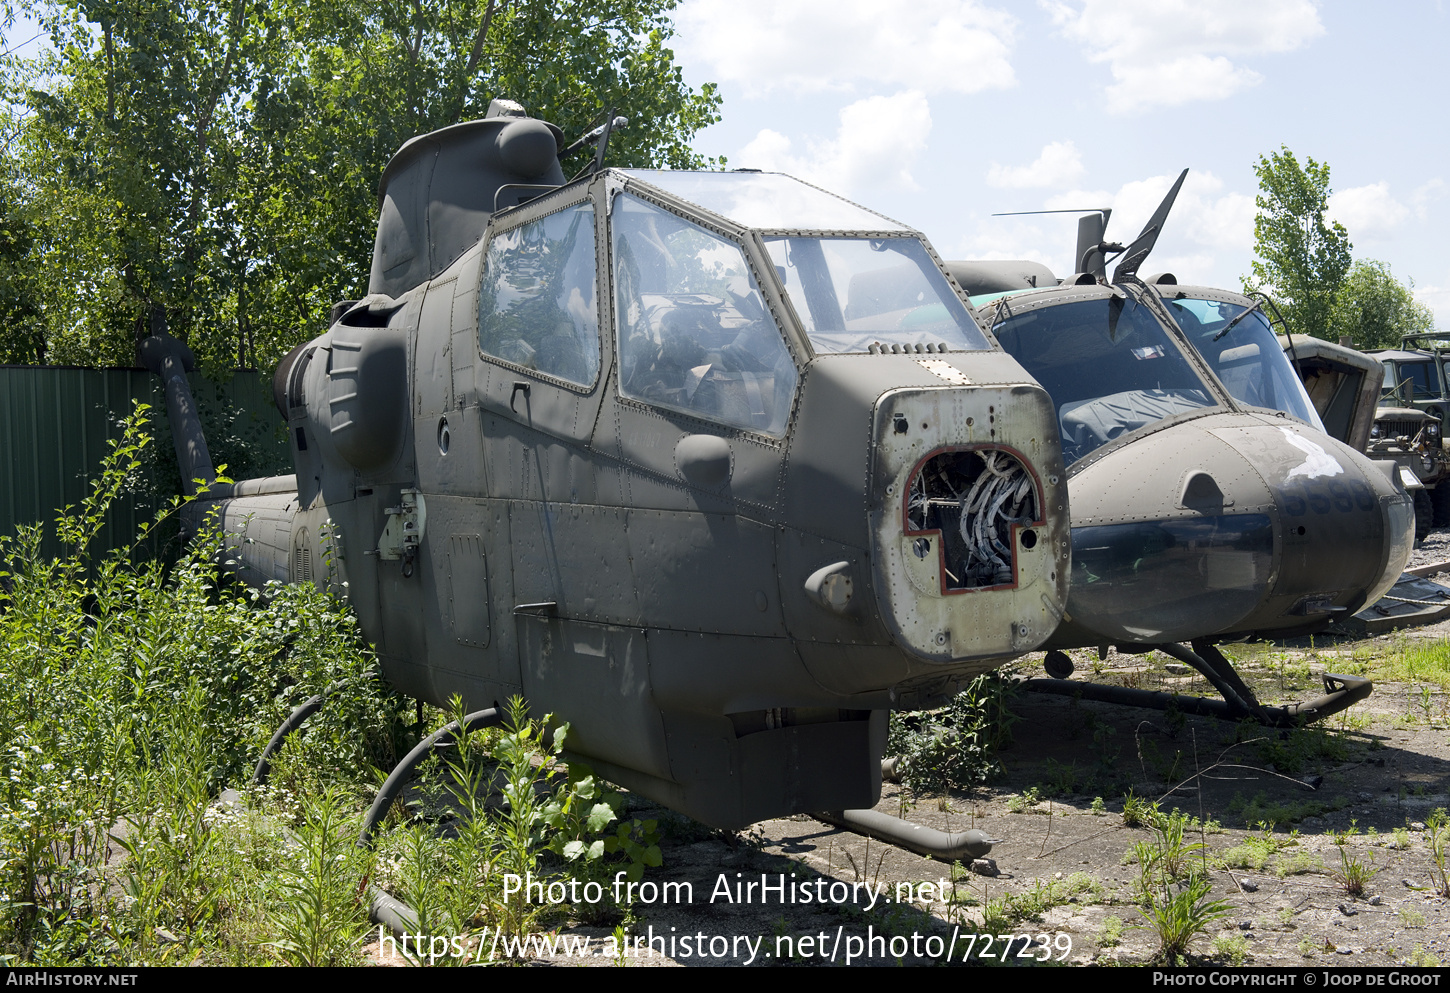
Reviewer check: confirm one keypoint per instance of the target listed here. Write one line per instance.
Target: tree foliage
(1375, 309)
(1301, 258)
(18, 309)
(211, 166)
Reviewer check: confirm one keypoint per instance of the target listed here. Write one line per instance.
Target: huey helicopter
(719, 468)
(1207, 502)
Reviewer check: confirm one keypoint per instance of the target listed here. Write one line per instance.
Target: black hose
(294, 721)
(403, 771)
(913, 837)
(383, 907)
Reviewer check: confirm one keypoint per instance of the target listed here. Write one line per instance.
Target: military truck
(1408, 429)
(1433, 344)
(1343, 384)
(1413, 378)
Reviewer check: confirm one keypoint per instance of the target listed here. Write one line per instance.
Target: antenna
(1138, 251)
(593, 136)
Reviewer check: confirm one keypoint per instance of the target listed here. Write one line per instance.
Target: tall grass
(1421, 662)
(1403, 660)
(132, 693)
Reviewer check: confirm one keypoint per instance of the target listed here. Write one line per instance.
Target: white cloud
(769, 150)
(1367, 211)
(1437, 298)
(1180, 81)
(1058, 165)
(1163, 53)
(1046, 239)
(936, 46)
(878, 141)
(1425, 194)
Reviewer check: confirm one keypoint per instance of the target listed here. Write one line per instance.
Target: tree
(130, 162)
(1375, 309)
(18, 305)
(362, 79)
(1301, 260)
(211, 166)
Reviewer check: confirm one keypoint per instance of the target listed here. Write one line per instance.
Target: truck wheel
(1440, 497)
(1424, 515)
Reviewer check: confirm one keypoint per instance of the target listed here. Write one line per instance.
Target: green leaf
(599, 816)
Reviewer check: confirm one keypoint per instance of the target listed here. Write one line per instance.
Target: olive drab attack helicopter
(1207, 503)
(719, 468)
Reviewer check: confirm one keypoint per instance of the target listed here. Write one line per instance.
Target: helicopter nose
(1229, 524)
(1345, 527)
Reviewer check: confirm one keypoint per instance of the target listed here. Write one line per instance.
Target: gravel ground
(1314, 804)
(1435, 548)
(1385, 769)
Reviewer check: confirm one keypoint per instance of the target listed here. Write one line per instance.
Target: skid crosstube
(1239, 702)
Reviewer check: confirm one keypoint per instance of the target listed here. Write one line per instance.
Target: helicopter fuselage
(1207, 503)
(717, 468)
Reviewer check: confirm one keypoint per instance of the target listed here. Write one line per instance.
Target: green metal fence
(57, 423)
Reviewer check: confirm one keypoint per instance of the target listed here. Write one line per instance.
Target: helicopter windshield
(851, 293)
(1108, 365)
(1247, 357)
(693, 331)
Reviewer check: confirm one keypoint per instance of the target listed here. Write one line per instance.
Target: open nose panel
(969, 521)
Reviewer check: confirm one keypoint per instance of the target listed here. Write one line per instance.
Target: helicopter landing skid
(1238, 703)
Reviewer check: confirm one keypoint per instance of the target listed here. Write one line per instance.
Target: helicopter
(717, 467)
(1207, 503)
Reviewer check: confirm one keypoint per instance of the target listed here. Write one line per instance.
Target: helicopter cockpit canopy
(1240, 346)
(857, 280)
(866, 294)
(694, 329)
(1106, 361)
(1060, 350)
(694, 332)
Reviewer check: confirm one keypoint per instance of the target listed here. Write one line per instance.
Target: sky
(940, 113)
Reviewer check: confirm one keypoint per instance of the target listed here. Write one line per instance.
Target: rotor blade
(1138, 251)
(1105, 211)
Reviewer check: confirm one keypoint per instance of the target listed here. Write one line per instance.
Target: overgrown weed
(1173, 889)
(1352, 875)
(1437, 826)
(1256, 850)
(135, 691)
(1231, 948)
(1140, 812)
(956, 746)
